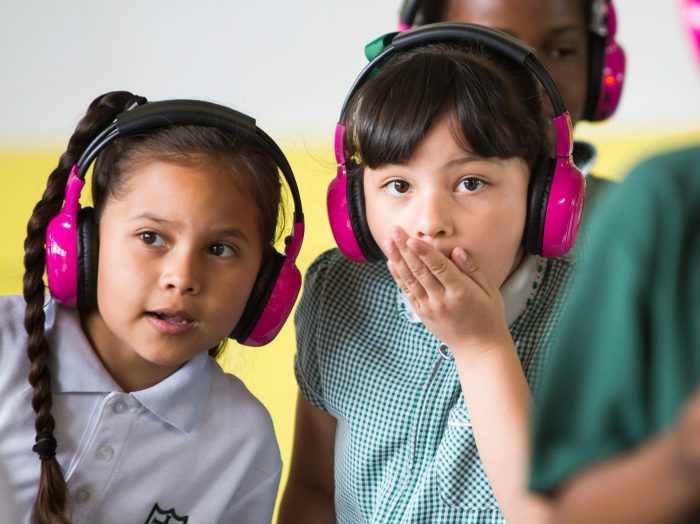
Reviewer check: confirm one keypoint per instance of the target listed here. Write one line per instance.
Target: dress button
(119, 407)
(81, 496)
(104, 452)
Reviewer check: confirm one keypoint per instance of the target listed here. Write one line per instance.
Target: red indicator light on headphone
(610, 80)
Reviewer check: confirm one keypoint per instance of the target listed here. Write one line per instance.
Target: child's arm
(309, 493)
(462, 309)
(656, 483)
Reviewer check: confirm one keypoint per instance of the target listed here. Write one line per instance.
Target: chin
(167, 357)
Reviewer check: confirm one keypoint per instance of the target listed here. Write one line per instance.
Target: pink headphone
(557, 187)
(606, 59)
(606, 63)
(690, 12)
(72, 235)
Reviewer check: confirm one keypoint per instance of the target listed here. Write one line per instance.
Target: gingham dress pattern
(404, 450)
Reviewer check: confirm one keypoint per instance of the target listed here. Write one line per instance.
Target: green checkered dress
(404, 449)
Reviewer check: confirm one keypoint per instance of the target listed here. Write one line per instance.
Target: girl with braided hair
(133, 420)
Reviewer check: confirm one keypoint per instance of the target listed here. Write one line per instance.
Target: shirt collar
(75, 368)
(180, 398)
(519, 286)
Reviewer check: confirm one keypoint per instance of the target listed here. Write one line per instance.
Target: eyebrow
(223, 232)
(468, 159)
(552, 32)
(462, 160)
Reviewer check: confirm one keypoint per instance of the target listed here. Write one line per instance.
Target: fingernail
(395, 233)
(461, 255)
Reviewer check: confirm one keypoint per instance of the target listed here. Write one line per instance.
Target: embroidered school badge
(160, 516)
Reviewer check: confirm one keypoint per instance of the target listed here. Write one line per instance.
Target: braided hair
(50, 503)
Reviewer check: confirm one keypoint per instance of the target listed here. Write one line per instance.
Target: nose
(434, 216)
(181, 272)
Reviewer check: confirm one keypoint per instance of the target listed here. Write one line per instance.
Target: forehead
(175, 186)
(522, 18)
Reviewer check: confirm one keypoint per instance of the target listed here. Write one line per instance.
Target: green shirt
(628, 351)
(404, 449)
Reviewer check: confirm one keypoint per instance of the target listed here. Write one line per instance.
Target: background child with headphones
(133, 420)
(574, 39)
(617, 427)
(415, 374)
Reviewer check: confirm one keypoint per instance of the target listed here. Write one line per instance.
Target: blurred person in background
(617, 425)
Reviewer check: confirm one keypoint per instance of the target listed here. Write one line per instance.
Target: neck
(126, 367)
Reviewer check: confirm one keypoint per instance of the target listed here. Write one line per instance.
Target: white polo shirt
(197, 447)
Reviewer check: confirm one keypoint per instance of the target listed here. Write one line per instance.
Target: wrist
(474, 350)
(497, 360)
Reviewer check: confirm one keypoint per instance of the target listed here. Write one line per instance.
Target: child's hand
(452, 296)
(687, 440)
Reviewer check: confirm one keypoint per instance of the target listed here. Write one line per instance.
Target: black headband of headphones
(499, 41)
(153, 115)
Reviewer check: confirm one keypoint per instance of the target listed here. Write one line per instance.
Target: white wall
(287, 63)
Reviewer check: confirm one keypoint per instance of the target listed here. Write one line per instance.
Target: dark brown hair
(253, 170)
(493, 106)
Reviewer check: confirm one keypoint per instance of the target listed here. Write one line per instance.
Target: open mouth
(172, 322)
(172, 318)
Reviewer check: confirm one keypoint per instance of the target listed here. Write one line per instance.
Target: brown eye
(221, 250)
(398, 187)
(470, 185)
(151, 238)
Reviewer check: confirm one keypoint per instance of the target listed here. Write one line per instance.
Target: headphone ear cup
(358, 219)
(88, 255)
(538, 197)
(265, 281)
(346, 213)
(339, 216)
(594, 81)
(564, 208)
(278, 306)
(612, 80)
(606, 70)
(274, 293)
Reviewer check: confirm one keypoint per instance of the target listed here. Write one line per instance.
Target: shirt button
(81, 496)
(119, 407)
(104, 452)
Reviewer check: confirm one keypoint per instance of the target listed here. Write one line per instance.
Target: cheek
(119, 275)
(232, 289)
(496, 242)
(116, 287)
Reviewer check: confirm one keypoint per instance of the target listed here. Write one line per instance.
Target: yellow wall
(267, 371)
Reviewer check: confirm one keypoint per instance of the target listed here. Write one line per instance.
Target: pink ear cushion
(564, 208)
(62, 258)
(339, 217)
(278, 307)
(612, 81)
